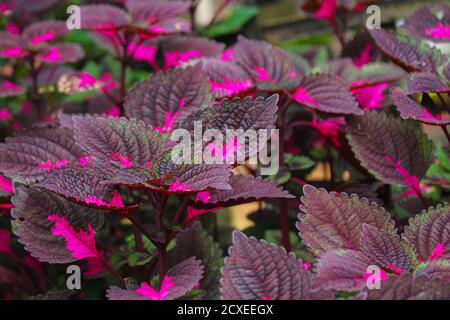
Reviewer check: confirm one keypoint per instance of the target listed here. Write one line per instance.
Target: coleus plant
(91, 180)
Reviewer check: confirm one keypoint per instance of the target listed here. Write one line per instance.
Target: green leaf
(93, 69)
(298, 162)
(139, 259)
(238, 18)
(441, 169)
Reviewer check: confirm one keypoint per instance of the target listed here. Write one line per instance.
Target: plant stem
(444, 128)
(138, 236)
(282, 205)
(162, 253)
(35, 96)
(421, 197)
(192, 10)
(217, 13)
(113, 272)
(140, 227)
(181, 209)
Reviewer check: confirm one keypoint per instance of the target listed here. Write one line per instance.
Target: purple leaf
(426, 23)
(194, 241)
(34, 6)
(28, 155)
(225, 78)
(269, 67)
(84, 185)
(154, 11)
(103, 17)
(387, 250)
(256, 270)
(395, 151)
(331, 221)
(410, 54)
(30, 213)
(178, 50)
(326, 93)
(178, 281)
(11, 45)
(249, 189)
(165, 98)
(119, 141)
(167, 176)
(410, 287)
(410, 109)
(436, 269)
(243, 114)
(373, 73)
(45, 31)
(419, 82)
(10, 89)
(343, 270)
(429, 229)
(61, 53)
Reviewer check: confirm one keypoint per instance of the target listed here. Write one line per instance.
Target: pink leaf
(94, 266)
(6, 185)
(301, 95)
(86, 80)
(231, 88)
(13, 52)
(370, 97)
(193, 213)
(441, 31)
(80, 243)
(52, 55)
(326, 10)
(48, 36)
(147, 291)
(5, 114)
(227, 55)
(365, 56)
(437, 252)
(142, 53)
(175, 58)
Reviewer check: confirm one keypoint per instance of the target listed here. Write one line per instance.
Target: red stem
(282, 205)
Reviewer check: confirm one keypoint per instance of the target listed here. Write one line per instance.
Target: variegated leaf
(420, 82)
(102, 17)
(45, 31)
(429, 229)
(256, 270)
(430, 23)
(154, 11)
(411, 109)
(410, 287)
(225, 78)
(326, 93)
(330, 221)
(194, 241)
(396, 151)
(61, 53)
(83, 184)
(409, 53)
(436, 269)
(32, 207)
(28, 155)
(249, 188)
(165, 98)
(343, 270)
(126, 143)
(183, 277)
(387, 250)
(269, 67)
